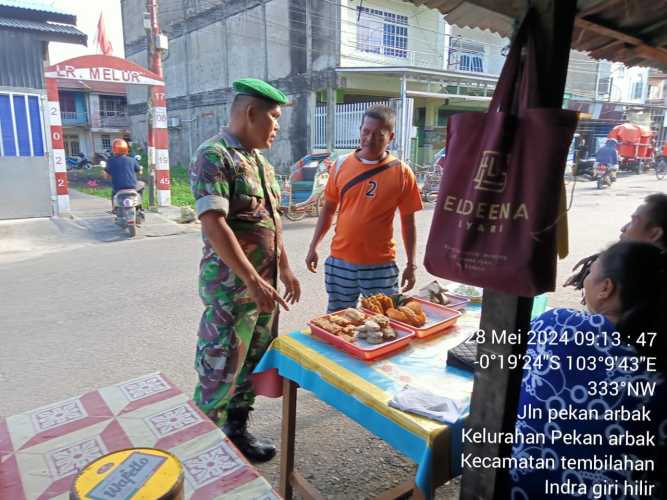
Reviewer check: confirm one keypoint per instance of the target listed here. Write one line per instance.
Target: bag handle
(508, 83)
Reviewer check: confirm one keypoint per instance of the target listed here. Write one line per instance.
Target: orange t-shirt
(364, 230)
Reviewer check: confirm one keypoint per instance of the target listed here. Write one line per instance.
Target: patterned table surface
(42, 450)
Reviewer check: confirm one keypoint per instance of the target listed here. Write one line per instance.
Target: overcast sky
(87, 14)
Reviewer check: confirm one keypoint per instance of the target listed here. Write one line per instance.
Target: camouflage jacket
(227, 178)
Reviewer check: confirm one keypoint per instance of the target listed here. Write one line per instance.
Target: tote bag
(495, 219)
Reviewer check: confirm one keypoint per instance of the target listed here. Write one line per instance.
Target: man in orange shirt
(367, 187)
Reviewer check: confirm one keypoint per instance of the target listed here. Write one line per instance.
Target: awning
(633, 33)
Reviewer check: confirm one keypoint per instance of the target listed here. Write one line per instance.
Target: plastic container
(438, 319)
(475, 299)
(141, 473)
(362, 349)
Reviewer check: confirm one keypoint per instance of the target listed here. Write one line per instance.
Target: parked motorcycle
(78, 162)
(101, 158)
(128, 210)
(604, 175)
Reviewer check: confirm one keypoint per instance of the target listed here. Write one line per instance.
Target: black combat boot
(236, 429)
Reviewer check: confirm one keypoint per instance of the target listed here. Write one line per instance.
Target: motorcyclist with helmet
(608, 156)
(123, 170)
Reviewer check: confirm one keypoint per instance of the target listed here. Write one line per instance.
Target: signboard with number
(162, 179)
(162, 159)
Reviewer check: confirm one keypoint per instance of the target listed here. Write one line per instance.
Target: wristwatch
(411, 266)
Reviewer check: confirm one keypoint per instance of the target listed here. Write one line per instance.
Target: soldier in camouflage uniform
(237, 199)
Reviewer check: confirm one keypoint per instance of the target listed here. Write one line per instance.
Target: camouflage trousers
(233, 337)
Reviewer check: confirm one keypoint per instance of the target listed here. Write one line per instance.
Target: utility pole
(158, 157)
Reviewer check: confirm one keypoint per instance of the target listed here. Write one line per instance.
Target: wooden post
(496, 392)
(287, 440)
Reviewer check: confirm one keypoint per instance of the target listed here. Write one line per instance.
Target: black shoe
(236, 429)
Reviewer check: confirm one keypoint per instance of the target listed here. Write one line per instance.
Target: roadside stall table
(361, 390)
(42, 451)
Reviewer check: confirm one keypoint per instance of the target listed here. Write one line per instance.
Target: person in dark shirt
(608, 156)
(123, 170)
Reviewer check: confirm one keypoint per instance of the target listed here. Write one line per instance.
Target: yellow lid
(135, 473)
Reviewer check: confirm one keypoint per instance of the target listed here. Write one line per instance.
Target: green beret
(258, 88)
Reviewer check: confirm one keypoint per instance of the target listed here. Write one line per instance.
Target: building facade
(27, 183)
(93, 114)
(330, 58)
(286, 42)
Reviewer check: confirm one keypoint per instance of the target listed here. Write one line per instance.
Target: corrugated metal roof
(93, 86)
(36, 6)
(60, 32)
(34, 11)
(628, 31)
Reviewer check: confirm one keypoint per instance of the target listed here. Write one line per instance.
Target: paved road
(88, 316)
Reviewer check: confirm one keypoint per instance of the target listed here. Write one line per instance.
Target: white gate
(348, 120)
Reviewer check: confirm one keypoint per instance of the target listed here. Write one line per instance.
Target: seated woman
(588, 397)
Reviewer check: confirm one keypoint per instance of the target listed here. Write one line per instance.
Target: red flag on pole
(103, 43)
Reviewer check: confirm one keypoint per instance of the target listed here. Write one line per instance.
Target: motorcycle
(128, 210)
(102, 158)
(604, 175)
(78, 162)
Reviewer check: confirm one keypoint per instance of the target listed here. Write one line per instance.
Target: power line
(353, 23)
(437, 54)
(248, 16)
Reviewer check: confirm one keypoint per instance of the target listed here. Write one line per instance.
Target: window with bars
(113, 105)
(67, 104)
(604, 86)
(471, 62)
(72, 145)
(466, 55)
(381, 32)
(106, 142)
(21, 130)
(655, 91)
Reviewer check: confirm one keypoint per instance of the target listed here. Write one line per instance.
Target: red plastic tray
(362, 349)
(455, 301)
(438, 319)
(474, 300)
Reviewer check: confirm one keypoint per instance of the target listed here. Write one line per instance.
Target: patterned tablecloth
(42, 450)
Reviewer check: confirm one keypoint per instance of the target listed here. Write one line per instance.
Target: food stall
(389, 367)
